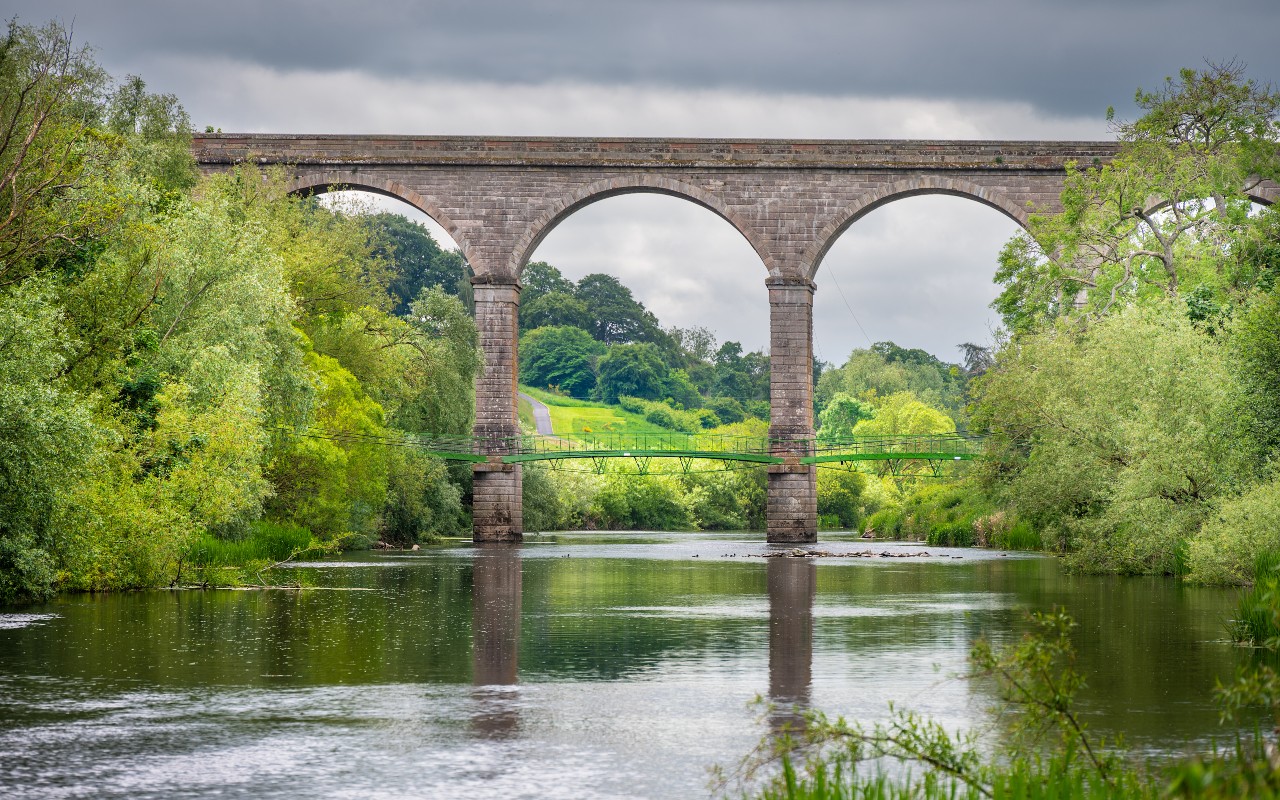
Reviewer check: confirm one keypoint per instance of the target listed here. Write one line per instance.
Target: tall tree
(1154, 221)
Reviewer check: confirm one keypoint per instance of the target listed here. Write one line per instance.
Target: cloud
(1063, 58)
(243, 98)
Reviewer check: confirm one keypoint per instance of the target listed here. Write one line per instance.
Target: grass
(1257, 619)
(582, 419)
(266, 542)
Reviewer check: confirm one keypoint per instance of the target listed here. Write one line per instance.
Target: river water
(580, 665)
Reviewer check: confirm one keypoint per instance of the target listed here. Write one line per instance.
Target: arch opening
(421, 251)
(391, 196)
(916, 271)
(907, 189)
(678, 258)
(632, 185)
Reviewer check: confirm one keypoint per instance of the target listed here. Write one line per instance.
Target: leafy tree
(728, 409)
(539, 278)
(55, 195)
(840, 496)
(903, 414)
(697, 343)
(841, 415)
(1255, 346)
(46, 436)
(555, 308)
(1155, 221)
(1115, 439)
(633, 370)
(738, 375)
(414, 259)
(617, 318)
(157, 135)
(561, 356)
(887, 369)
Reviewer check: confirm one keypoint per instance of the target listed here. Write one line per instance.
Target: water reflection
(495, 626)
(792, 584)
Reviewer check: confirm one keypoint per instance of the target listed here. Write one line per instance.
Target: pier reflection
(792, 584)
(495, 635)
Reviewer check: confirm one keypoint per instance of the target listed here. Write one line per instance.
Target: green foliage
(634, 502)
(55, 162)
(666, 416)
(266, 542)
(632, 370)
(560, 356)
(616, 317)
(555, 309)
(415, 260)
(1239, 529)
(903, 414)
(1167, 216)
(841, 414)
(1115, 440)
(1257, 621)
(840, 497)
(1255, 349)
(887, 369)
(727, 409)
(46, 435)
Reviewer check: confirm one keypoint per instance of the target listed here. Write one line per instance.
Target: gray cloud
(1061, 57)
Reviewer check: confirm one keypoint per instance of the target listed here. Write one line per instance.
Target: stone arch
(638, 183)
(911, 187)
(321, 182)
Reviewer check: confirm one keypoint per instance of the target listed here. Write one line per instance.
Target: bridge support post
(792, 505)
(497, 506)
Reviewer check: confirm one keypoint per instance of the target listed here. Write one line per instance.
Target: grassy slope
(580, 418)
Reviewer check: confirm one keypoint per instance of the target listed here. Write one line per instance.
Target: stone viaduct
(791, 199)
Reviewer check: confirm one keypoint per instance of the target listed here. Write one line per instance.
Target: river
(580, 665)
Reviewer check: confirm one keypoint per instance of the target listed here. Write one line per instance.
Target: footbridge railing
(892, 449)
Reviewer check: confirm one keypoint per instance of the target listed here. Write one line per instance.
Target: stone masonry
(790, 199)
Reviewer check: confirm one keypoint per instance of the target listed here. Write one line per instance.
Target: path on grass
(541, 414)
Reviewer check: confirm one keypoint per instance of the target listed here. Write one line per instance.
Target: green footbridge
(893, 452)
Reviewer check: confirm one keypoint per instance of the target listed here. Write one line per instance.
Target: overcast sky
(917, 272)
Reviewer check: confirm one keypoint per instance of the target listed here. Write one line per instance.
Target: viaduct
(790, 199)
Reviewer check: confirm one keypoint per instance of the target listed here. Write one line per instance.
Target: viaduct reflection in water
(792, 584)
(495, 634)
(497, 584)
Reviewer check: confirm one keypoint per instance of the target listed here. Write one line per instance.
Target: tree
(555, 308)
(632, 370)
(1113, 441)
(415, 260)
(903, 414)
(617, 318)
(841, 414)
(1156, 220)
(560, 356)
(539, 278)
(54, 166)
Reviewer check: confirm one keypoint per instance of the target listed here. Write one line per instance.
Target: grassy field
(577, 419)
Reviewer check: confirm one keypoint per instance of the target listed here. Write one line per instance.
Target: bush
(1245, 525)
(886, 523)
(728, 409)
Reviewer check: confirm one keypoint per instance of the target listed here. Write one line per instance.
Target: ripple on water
(11, 621)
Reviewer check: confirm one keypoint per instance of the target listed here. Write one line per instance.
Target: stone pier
(497, 505)
(792, 511)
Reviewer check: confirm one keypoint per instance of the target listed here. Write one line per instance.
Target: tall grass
(266, 541)
(1257, 619)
